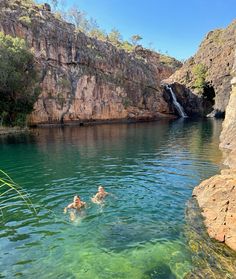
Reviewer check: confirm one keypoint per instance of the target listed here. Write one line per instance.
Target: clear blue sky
(176, 26)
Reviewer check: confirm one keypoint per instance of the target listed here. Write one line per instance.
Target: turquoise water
(149, 168)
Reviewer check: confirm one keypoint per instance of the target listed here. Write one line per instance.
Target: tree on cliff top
(135, 39)
(115, 37)
(18, 90)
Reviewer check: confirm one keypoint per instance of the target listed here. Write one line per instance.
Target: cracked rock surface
(216, 197)
(82, 78)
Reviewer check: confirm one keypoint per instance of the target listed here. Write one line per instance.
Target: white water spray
(176, 103)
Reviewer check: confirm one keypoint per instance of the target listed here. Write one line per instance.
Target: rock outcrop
(207, 73)
(228, 135)
(217, 198)
(82, 78)
(217, 195)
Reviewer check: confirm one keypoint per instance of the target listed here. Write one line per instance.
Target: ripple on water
(150, 169)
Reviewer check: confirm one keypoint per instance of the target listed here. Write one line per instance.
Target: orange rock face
(82, 78)
(228, 135)
(217, 195)
(217, 199)
(216, 54)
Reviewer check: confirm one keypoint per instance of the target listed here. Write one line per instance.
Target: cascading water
(176, 103)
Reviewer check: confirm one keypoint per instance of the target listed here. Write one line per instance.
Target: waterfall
(176, 103)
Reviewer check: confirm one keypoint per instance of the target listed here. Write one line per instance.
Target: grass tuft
(7, 185)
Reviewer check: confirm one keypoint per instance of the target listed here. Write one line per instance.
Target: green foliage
(199, 72)
(170, 61)
(215, 36)
(127, 46)
(126, 102)
(115, 37)
(27, 2)
(135, 39)
(90, 27)
(58, 15)
(64, 82)
(3, 115)
(25, 20)
(7, 185)
(17, 80)
(98, 34)
(80, 20)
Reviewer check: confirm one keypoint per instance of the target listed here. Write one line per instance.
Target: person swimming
(100, 195)
(76, 204)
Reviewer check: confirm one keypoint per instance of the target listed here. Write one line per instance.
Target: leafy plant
(170, 61)
(127, 46)
(7, 185)
(199, 72)
(25, 20)
(135, 39)
(115, 37)
(98, 34)
(18, 78)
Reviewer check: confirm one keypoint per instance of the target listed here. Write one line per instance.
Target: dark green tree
(18, 91)
(199, 72)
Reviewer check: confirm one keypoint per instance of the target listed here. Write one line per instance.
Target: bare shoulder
(71, 205)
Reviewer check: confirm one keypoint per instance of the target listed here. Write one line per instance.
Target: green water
(150, 169)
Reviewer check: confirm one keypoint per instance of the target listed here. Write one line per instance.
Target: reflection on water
(150, 169)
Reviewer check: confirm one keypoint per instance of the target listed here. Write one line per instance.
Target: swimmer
(76, 204)
(100, 195)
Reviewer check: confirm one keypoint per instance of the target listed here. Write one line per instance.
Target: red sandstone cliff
(216, 56)
(217, 196)
(84, 79)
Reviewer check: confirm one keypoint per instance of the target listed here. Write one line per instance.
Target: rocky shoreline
(216, 196)
(12, 130)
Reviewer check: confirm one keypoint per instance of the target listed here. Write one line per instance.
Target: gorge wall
(228, 135)
(207, 73)
(82, 78)
(217, 195)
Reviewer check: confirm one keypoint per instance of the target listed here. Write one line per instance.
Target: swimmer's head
(100, 189)
(76, 198)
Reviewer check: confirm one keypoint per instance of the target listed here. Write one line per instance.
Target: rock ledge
(216, 197)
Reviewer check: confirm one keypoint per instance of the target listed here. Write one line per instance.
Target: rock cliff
(228, 135)
(82, 78)
(217, 195)
(207, 73)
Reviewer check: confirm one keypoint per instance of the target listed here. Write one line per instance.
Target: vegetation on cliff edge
(18, 90)
(199, 72)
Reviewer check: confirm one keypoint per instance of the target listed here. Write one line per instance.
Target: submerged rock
(210, 259)
(161, 271)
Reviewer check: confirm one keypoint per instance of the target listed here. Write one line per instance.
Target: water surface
(150, 169)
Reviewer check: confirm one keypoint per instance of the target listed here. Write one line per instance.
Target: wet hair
(76, 197)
